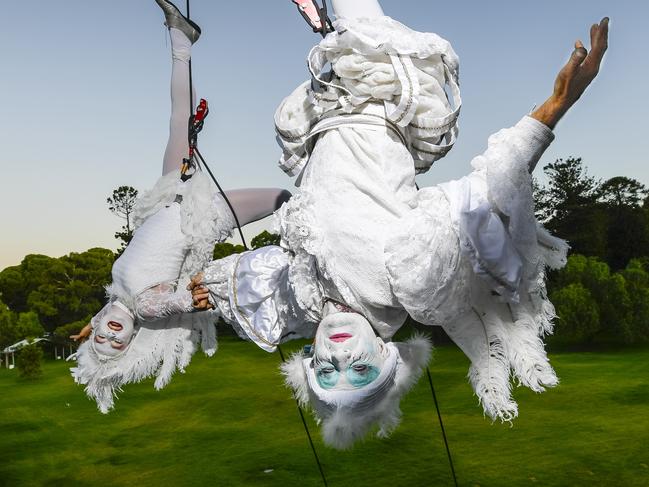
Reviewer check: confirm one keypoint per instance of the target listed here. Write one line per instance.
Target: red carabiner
(201, 111)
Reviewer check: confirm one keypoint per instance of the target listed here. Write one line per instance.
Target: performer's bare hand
(573, 79)
(200, 293)
(196, 280)
(83, 334)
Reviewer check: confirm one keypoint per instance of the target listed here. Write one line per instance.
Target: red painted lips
(340, 337)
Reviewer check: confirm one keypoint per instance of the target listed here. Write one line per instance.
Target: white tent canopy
(18, 345)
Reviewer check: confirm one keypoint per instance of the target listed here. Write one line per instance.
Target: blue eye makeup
(360, 374)
(327, 376)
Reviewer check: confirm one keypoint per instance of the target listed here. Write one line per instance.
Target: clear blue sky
(84, 97)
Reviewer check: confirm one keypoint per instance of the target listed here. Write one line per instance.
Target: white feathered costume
(176, 226)
(467, 255)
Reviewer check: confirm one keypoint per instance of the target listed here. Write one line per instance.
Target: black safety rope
(204, 164)
(306, 428)
(325, 27)
(192, 138)
(441, 424)
(234, 213)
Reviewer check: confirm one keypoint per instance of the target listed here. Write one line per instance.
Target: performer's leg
(177, 144)
(253, 204)
(357, 8)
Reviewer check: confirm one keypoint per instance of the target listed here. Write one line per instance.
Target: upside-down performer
(149, 326)
(363, 247)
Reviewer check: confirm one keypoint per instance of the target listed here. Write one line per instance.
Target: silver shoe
(174, 18)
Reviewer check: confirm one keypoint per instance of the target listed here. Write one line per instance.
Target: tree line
(602, 295)
(59, 295)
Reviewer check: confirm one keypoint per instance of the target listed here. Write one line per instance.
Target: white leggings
(249, 204)
(357, 8)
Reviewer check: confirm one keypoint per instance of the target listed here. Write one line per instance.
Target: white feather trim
(344, 426)
(159, 348)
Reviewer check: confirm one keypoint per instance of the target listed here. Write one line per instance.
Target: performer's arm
(576, 75)
(83, 334)
(162, 301)
(253, 204)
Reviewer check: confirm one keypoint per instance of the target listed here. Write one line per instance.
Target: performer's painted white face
(347, 353)
(114, 331)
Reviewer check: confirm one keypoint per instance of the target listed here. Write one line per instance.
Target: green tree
(621, 299)
(17, 282)
(64, 331)
(29, 361)
(264, 239)
(122, 203)
(636, 276)
(28, 326)
(223, 249)
(628, 222)
(578, 314)
(8, 332)
(568, 206)
(61, 290)
(627, 235)
(569, 186)
(622, 191)
(18, 326)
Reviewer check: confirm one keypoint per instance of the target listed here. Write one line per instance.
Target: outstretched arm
(83, 334)
(253, 204)
(162, 301)
(576, 75)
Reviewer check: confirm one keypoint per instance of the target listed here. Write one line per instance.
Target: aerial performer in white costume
(363, 247)
(149, 326)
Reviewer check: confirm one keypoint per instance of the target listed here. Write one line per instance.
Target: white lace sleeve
(162, 301)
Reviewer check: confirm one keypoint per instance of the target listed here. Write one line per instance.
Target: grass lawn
(229, 421)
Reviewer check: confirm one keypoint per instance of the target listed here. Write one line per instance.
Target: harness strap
(403, 113)
(331, 121)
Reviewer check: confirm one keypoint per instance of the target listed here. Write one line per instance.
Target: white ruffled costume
(172, 241)
(176, 226)
(467, 255)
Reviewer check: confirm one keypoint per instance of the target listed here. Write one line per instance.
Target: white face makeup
(114, 331)
(347, 353)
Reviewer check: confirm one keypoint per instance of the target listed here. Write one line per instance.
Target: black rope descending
(196, 152)
(441, 424)
(192, 141)
(227, 201)
(306, 428)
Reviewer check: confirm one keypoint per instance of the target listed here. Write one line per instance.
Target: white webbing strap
(334, 120)
(422, 126)
(403, 113)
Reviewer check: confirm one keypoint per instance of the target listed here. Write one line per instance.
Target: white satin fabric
(253, 293)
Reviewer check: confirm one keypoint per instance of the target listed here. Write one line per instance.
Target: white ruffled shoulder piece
(374, 35)
(383, 73)
(158, 349)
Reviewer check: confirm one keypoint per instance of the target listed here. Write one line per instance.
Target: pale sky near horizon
(84, 103)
